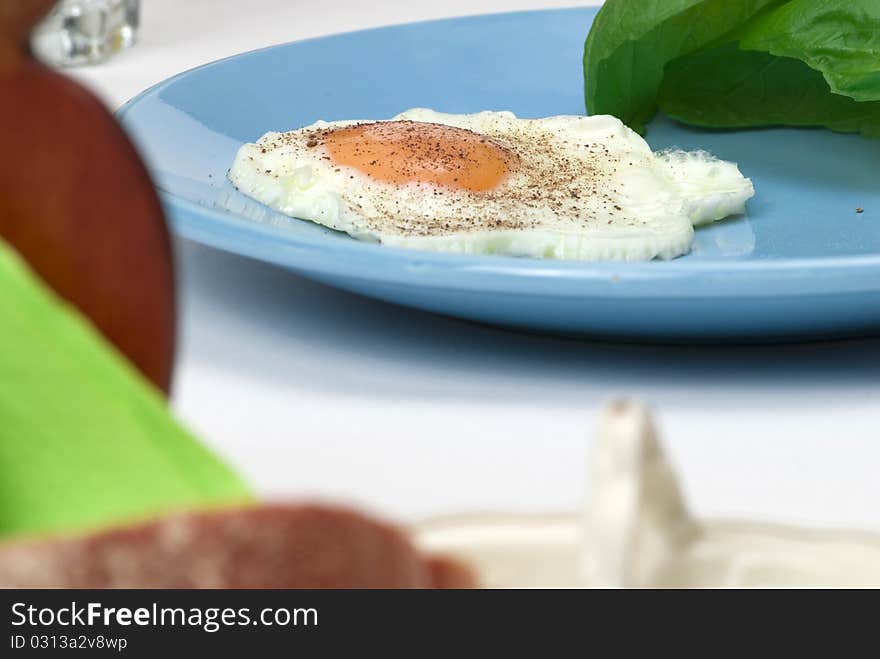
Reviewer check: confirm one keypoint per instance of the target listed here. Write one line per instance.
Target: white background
(318, 393)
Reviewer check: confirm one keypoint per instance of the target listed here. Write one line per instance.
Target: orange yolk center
(417, 152)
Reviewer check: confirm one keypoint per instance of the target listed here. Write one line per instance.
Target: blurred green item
(85, 440)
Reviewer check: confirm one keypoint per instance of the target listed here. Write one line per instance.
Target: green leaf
(85, 441)
(840, 38)
(725, 87)
(631, 41)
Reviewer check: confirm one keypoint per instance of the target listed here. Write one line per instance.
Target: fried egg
(565, 187)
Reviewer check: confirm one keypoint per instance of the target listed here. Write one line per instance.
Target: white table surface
(317, 393)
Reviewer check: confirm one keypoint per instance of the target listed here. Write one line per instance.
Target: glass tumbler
(86, 31)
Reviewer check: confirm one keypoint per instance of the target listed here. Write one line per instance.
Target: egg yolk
(417, 152)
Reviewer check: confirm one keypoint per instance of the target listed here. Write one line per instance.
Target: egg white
(603, 194)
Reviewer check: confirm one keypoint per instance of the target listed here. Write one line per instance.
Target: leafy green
(631, 42)
(738, 63)
(85, 441)
(726, 87)
(840, 38)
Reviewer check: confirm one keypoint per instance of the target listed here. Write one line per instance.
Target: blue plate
(802, 264)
